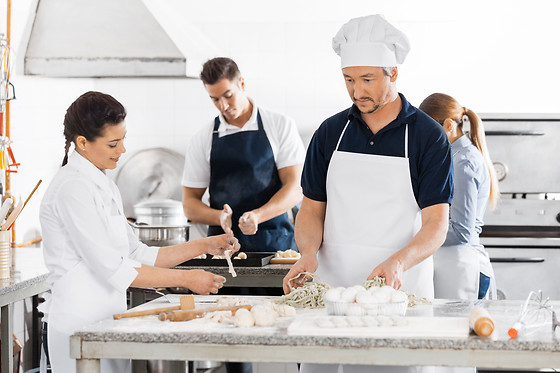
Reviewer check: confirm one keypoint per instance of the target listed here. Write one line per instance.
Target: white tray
(415, 327)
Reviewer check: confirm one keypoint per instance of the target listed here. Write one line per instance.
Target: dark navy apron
(243, 174)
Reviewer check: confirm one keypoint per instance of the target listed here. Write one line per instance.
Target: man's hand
(249, 223)
(392, 270)
(307, 263)
(225, 218)
(217, 245)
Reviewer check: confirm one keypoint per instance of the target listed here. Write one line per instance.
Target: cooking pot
(161, 235)
(160, 212)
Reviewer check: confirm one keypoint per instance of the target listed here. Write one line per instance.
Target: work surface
(149, 338)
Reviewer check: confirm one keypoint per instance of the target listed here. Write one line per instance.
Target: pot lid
(150, 174)
(158, 207)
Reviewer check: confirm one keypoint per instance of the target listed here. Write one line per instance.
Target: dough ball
(241, 256)
(263, 315)
(389, 290)
(349, 295)
(243, 318)
(359, 288)
(285, 310)
(332, 295)
(365, 297)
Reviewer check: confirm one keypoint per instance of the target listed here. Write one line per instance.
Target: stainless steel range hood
(104, 38)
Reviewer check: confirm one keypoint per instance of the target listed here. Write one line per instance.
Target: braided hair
(88, 115)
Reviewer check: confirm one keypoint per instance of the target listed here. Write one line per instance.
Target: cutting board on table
(414, 327)
(277, 260)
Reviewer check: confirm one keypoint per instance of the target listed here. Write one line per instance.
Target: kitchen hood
(111, 38)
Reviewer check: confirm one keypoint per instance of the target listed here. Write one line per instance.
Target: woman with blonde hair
(462, 268)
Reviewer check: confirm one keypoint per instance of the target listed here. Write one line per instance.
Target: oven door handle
(517, 260)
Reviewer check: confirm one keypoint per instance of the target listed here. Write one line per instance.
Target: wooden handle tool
(187, 303)
(185, 315)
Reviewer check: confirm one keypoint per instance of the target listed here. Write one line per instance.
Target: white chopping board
(414, 327)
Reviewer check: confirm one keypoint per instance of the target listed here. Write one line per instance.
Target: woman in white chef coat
(462, 268)
(91, 252)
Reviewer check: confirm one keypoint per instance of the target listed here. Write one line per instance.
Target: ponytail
(478, 139)
(66, 150)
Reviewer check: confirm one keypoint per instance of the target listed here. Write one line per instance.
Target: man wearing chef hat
(377, 179)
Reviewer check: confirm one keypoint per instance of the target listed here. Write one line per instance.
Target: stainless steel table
(153, 339)
(27, 280)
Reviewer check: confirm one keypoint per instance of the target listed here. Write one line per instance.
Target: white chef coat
(86, 239)
(281, 131)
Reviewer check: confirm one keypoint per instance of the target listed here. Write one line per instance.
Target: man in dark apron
(250, 160)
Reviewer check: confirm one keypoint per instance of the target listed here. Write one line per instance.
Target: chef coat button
(371, 142)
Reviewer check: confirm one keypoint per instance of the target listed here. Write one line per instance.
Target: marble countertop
(28, 277)
(496, 351)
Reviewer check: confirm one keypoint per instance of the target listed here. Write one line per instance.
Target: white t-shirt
(281, 131)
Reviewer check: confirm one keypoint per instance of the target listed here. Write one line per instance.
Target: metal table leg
(88, 366)
(6, 335)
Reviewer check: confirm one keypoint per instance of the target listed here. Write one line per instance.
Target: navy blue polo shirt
(429, 151)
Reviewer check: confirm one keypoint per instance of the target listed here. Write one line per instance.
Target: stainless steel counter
(27, 280)
(149, 338)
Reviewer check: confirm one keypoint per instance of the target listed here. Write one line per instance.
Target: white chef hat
(370, 41)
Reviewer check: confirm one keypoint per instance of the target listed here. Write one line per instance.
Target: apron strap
(406, 141)
(342, 134)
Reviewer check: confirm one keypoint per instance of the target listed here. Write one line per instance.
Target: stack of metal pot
(161, 222)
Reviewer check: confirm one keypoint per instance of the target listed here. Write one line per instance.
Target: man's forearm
(309, 229)
(428, 239)
(198, 212)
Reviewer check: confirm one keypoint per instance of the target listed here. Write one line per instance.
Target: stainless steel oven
(522, 235)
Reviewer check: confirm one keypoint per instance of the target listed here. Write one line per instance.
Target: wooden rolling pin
(185, 315)
(187, 303)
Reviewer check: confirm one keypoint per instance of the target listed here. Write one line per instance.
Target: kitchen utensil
(187, 303)
(18, 209)
(161, 235)
(481, 322)
(535, 313)
(193, 314)
(15, 213)
(162, 294)
(153, 174)
(5, 208)
(33, 191)
(160, 212)
(230, 265)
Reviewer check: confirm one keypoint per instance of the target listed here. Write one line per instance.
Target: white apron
(457, 271)
(79, 298)
(371, 214)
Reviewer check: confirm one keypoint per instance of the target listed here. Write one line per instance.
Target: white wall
(494, 56)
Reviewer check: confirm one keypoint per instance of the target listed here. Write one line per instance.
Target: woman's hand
(202, 282)
(216, 245)
(225, 218)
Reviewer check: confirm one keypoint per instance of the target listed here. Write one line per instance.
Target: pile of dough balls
(260, 315)
(287, 254)
(240, 256)
(357, 301)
